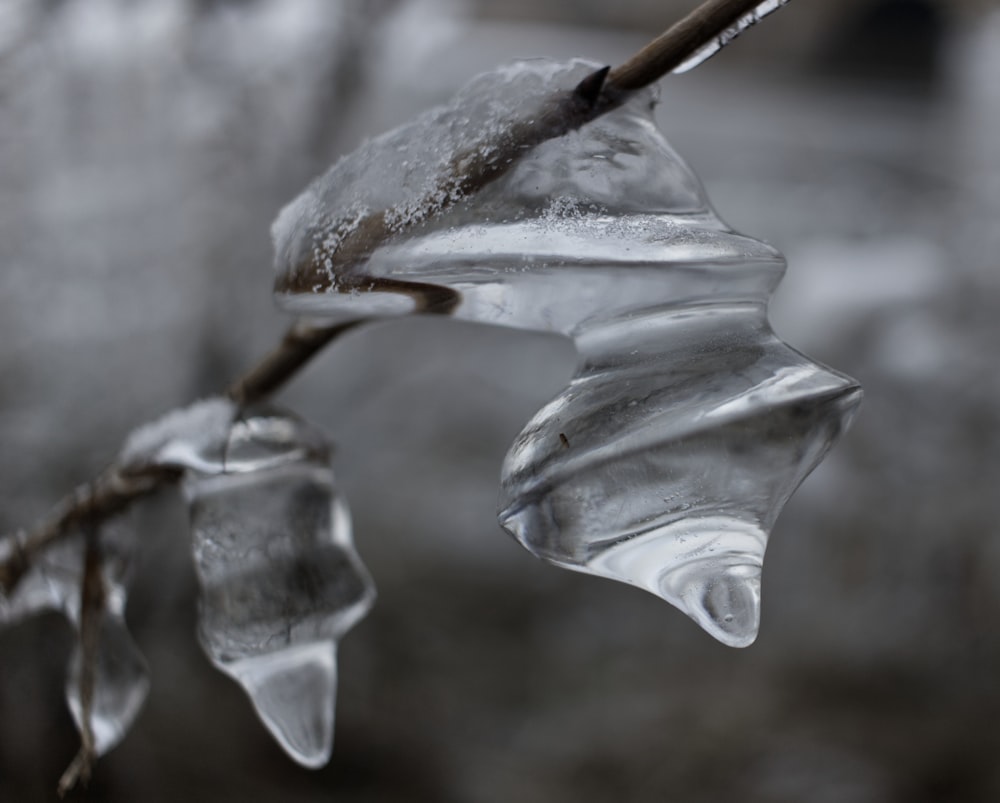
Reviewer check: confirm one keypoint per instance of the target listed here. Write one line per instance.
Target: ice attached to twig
(52, 583)
(688, 425)
(108, 678)
(280, 580)
(189, 438)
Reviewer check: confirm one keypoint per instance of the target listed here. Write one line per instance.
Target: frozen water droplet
(293, 693)
(280, 580)
(707, 567)
(120, 684)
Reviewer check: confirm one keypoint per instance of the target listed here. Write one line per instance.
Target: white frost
(180, 437)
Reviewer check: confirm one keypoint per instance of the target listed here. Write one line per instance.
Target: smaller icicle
(748, 20)
(108, 678)
(280, 580)
(118, 679)
(121, 683)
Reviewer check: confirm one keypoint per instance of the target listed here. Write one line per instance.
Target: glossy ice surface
(280, 580)
(688, 424)
(120, 680)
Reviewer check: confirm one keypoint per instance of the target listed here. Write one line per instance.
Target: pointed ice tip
(726, 604)
(293, 692)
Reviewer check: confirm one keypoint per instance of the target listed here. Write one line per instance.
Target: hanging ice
(688, 425)
(280, 580)
(108, 680)
(110, 684)
(192, 438)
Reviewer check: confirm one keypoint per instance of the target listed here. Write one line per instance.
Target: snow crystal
(403, 204)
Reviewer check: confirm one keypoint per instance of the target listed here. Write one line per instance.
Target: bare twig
(110, 492)
(604, 90)
(678, 43)
(299, 345)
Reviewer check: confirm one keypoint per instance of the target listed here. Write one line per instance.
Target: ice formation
(280, 580)
(688, 424)
(108, 678)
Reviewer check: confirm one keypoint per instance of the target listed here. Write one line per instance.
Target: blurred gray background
(146, 145)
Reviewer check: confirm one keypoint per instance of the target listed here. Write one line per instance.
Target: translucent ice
(120, 679)
(51, 584)
(108, 679)
(688, 424)
(280, 580)
(667, 460)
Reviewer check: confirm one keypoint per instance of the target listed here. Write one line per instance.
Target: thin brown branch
(597, 94)
(298, 346)
(678, 43)
(109, 493)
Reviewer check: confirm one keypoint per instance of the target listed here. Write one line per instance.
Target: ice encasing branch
(115, 489)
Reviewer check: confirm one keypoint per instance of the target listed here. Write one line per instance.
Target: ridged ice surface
(668, 458)
(688, 425)
(280, 580)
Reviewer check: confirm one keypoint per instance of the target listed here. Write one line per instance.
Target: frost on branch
(280, 580)
(688, 425)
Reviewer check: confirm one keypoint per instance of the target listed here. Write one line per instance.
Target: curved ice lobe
(688, 425)
(666, 461)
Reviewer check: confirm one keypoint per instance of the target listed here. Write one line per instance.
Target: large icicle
(688, 424)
